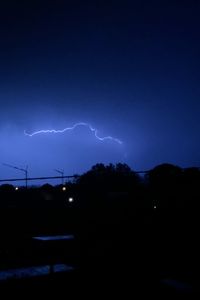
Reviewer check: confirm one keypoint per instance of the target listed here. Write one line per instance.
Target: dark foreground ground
(148, 254)
(76, 284)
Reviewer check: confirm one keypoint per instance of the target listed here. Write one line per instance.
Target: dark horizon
(65, 179)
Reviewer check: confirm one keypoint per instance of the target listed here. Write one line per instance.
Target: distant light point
(71, 199)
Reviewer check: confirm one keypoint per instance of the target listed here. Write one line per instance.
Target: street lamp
(62, 174)
(20, 169)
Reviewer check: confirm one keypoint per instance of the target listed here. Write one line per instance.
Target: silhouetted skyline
(130, 69)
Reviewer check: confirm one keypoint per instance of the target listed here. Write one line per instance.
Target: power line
(38, 178)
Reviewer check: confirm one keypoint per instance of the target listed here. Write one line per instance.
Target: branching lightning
(92, 129)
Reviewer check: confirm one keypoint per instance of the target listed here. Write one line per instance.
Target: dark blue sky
(128, 68)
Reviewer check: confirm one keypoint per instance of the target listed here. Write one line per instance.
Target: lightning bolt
(92, 129)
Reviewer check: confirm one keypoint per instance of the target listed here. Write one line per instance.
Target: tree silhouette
(165, 184)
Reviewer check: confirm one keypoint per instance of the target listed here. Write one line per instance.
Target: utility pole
(20, 169)
(62, 174)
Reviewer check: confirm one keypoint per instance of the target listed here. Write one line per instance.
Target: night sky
(129, 69)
